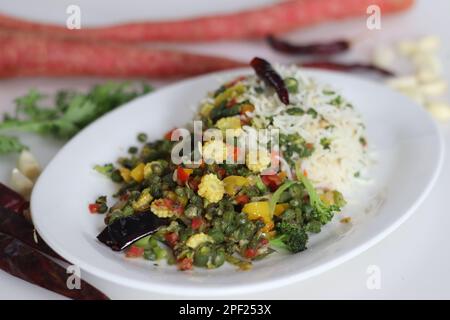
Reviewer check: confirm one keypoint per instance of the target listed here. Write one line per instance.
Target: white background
(414, 260)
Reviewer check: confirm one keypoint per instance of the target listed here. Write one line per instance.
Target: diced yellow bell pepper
(268, 227)
(148, 170)
(280, 208)
(229, 123)
(206, 108)
(233, 184)
(230, 93)
(261, 210)
(125, 173)
(138, 172)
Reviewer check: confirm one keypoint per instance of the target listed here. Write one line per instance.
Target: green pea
(202, 255)
(217, 235)
(157, 169)
(116, 176)
(149, 254)
(161, 253)
(180, 191)
(218, 259)
(142, 137)
(228, 217)
(191, 211)
(291, 85)
(102, 208)
(132, 150)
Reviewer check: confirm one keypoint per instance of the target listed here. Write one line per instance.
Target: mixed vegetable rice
(216, 211)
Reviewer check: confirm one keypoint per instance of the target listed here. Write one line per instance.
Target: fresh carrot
(257, 23)
(38, 55)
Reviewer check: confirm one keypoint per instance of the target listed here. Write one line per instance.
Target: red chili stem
(330, 48)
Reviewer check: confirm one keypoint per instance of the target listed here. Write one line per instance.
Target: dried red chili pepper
(11, 200)
(26, 263)
(14, 223)
(330, 48)
(266, 73)
(348, 67)
(16, 226)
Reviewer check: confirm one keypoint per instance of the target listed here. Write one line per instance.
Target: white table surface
(414, 260)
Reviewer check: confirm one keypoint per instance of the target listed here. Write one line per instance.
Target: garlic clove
(406, 82)
(28, 165)
(426, 75)
(434, 89)
(407, 47)
(21, 184)
(439, 110)
(429, 43)
(425, 61)
(383, 57)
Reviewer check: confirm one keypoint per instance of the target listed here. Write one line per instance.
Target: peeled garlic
(426, 61)
(439, 110)
(21, 184)
(407, 82)
(434, 89)
(28, 165)
(426, 75)
(407, 48)
(429, 43)
(383, 57)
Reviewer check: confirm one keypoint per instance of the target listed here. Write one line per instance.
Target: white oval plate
(409, 152)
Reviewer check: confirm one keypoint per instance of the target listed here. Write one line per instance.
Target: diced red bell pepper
(242, 199)
(171, 238)
(272, 181)
(173, 205)
(93, 208)
(185, 264)
(250, 253)
(196, 223)
(135, 252)
(194, 183)
(183, 175)
(221, 172)
(168, 135)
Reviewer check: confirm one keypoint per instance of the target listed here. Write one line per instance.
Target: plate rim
(196, 290)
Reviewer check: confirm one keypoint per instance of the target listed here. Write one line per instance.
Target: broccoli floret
(291, 237)
(322, 212)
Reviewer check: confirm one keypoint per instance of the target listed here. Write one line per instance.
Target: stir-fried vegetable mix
(219, 212)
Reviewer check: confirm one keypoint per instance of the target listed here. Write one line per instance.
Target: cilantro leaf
(71, 111)
(10, 144)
